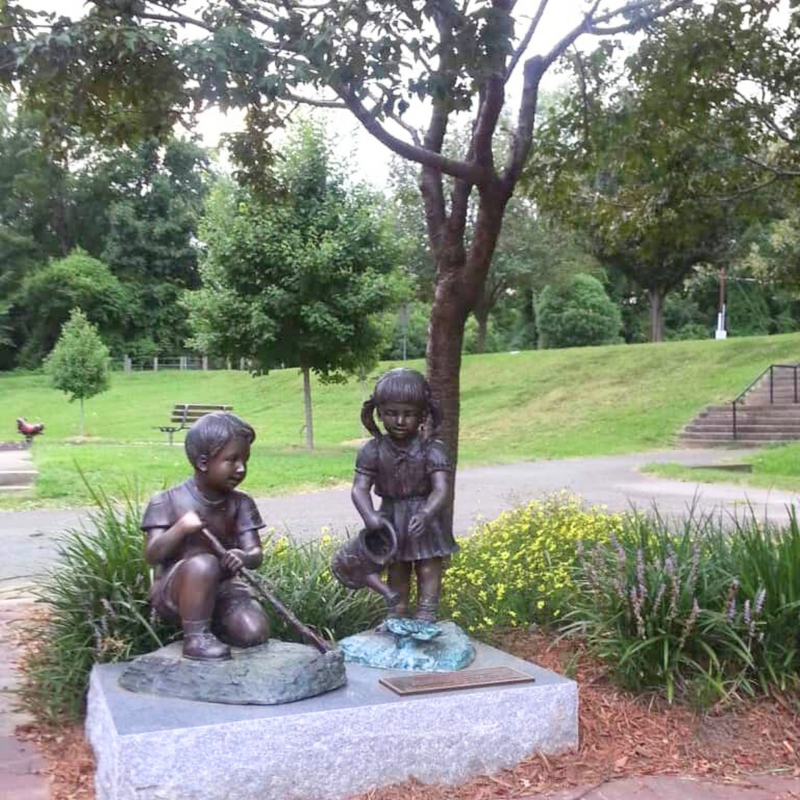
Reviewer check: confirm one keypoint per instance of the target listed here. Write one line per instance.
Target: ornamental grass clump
(301, 577)
(517, 569)
(666, 608)
(764, 558)
(95, 610)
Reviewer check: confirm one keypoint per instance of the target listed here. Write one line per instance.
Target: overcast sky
(370, 157)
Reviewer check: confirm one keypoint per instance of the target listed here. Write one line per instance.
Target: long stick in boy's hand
(261, 589)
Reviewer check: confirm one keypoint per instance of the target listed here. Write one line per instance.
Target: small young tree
(78, 364)
(577, 314)
(300, 280)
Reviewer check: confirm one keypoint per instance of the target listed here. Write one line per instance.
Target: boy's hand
(191, 523)
(233, 561)
(416, 525)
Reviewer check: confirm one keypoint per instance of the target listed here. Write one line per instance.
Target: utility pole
(721, 331)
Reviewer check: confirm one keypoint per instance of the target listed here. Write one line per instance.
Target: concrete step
(728, 435)
(770, 411)
(742, 427)
(691, 444)
(18, 477)
(12, 489)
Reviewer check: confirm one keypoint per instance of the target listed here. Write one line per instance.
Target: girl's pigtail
(434, 414)
(368, 417)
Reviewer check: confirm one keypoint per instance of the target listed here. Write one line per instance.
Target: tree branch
(312, 101)
(633, 25)
(450, 166)
(536, 67)
(526, 40)
(756, 162)
(177, 19)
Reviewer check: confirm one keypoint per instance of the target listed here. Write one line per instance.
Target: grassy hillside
(538, 404)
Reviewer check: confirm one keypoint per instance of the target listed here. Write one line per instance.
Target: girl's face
(401, 420)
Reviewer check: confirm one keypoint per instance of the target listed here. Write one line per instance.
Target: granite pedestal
(329, 747)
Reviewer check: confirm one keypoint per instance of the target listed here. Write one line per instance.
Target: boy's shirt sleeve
(248, 517)
(159, 513)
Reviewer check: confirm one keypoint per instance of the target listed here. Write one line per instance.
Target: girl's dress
(402, 479)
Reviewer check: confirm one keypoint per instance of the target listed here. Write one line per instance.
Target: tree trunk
(307, 403)
(443, 357)
(657, 294)
(480, 341)
(80, 428)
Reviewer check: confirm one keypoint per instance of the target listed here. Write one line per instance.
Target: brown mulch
(621, 735)
(69, 758)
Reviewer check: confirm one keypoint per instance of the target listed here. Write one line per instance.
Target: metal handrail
(771, 370)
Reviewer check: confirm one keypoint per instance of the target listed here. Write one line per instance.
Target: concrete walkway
(22, 775)
(663, 787)
(28, 536)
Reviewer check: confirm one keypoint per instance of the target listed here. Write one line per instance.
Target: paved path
(663, 787)
(22, 767)
(28, 536)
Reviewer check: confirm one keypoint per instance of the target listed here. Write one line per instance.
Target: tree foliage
(48, 295)
(78, 364)
(123, 66)
(297, 281)
(576, 314)
(136, 209)
(655, 201)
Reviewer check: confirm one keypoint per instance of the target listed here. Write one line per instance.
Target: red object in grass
(29, 429)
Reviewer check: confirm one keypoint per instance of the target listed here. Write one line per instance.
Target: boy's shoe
(200, 644)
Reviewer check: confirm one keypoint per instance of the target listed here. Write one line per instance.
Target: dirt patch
(621, 735)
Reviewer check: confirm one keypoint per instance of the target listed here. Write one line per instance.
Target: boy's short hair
(212, 432)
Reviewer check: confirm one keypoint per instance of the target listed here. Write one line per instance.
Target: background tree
(150, 244)
(373, 59)
(298, 281)
(48, 295)
(78, 364)
(654, 203)
(136, 209)
(576, 314)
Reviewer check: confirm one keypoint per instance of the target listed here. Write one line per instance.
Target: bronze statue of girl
(410, 471)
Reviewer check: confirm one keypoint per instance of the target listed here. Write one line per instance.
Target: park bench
(184, 414)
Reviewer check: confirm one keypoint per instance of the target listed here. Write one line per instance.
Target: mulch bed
(621, 735)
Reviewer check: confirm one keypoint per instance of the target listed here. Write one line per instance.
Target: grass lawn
(536, 404)
(774, 467)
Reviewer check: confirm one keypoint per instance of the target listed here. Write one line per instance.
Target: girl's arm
(362, 500)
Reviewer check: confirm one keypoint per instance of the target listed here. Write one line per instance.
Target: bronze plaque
(449, 681)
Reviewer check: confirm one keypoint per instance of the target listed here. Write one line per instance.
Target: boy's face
(227, 469)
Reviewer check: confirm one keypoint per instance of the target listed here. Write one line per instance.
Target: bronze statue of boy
(193, 586)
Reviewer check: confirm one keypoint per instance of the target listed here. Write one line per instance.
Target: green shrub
(516, 569)
(764, 560)
(301, 576)
(96, 610)
(576, 314)
(684, 609)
